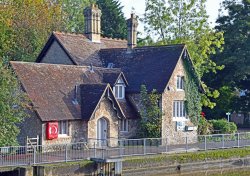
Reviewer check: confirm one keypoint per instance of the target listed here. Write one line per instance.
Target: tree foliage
(112, 21)
(186, 22)
(236, 54)
(26, 25)
(12, 104)
(150, 113)
(235, 77)
(73, 14)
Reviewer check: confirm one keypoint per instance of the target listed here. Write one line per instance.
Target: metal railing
(19, 155)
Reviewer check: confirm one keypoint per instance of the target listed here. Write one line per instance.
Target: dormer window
(180, 83)
(119, 89)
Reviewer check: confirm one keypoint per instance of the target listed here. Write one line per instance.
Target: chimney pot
(132, 24)
(92, 18)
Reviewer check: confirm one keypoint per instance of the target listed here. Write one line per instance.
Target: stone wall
(30, 127)
(133, 126)
(106, 111)
(77, 133)
(170, 94)
(56, 55)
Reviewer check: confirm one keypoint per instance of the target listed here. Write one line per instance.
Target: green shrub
(204, 127)
(223, 126)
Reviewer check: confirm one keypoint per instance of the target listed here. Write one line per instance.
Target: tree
(150, 113)
(26, 25)
(112, 21)
(73, 15)
(235, 56)
(12, 106)
(186, 22)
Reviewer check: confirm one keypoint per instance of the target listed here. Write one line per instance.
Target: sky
(139, 6)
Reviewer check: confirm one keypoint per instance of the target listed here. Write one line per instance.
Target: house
(84, 86)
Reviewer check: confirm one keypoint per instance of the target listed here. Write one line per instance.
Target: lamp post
(228, 115)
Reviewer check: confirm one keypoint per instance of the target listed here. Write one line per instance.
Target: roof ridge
(104, 84)
(68, 33)
(145, 47)
(80, 34)
(114, 39)
(160, 46)
(69, 66)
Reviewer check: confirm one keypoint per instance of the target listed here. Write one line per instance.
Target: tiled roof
(51, 87)
(128, 109)
(152, 66)
(80, 49)
(92, 94)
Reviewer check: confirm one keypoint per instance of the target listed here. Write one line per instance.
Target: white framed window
(119, 89)
(63, 128)
(124, 125)
(179, 111)
(180, 83)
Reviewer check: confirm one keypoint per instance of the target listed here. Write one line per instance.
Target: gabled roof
(51, 87)
(112, 78)
(151, 66)
(79, 48)
(92, 95)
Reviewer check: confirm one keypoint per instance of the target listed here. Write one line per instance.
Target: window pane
(174, 110)
(178, 109)
(116, 91)
(182, 82)
(120, 91)
(126, 125)
(59, 127)
(63, 127)
(181, 115)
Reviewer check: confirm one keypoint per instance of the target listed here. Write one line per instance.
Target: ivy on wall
(192, 94)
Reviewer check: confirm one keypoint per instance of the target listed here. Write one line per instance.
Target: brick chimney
(92, 18)
(132, 24)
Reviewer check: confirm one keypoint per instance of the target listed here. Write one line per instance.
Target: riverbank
(202, 163)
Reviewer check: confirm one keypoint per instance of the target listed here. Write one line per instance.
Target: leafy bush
(204, 127)
(223, 126)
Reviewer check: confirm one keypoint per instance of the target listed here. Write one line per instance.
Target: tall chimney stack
(92, 19)
(132, 24)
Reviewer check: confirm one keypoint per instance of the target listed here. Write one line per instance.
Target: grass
(234, 173)
(191, 157)
(70, 163)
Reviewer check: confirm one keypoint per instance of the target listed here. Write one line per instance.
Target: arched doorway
(102, 129)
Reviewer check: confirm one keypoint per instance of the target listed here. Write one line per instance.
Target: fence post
(144, 146)
(66, 153)
(166, 145)
(121, 147)
(238, 139)
(94, 150)
(102, 151)
(34, 155)
(186, 143)
(205, 142)
(223, 142)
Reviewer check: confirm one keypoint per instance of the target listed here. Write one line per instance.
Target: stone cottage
(90, 86)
